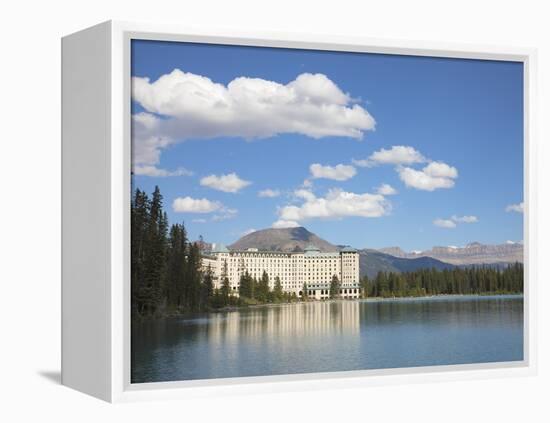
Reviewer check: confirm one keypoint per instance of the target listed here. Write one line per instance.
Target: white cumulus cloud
(464, 219)
(182, 105)
(280, 224)
(225, 213)
(304, 194)
(195, 205)
(307, 183)
(337, 204)
(248, 232)
(339, 172)
(454, 220)
(147, 139)
(150, 170)
(269, 193)
(226, 183)
(396, 155)
(386, 189)
(434, 176)
(518, 208)
(445, 223)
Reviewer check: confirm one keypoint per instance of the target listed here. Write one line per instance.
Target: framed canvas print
(271, 211)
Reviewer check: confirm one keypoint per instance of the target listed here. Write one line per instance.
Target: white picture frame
(96, 191)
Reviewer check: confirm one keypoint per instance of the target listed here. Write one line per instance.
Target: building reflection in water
(328, 336)
(313, 319)
(283, 336)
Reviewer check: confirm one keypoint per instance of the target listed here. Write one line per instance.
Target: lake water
(329, 336)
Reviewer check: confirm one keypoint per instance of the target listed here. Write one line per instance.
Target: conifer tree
(305, 295)
(226, 288)
(139, 222)
(365, 286)
(207, 289)
(245, 288)
(262, 290)
(334, 287)
(193, 277)
(474, 280)
(278, 290)
(382, 284)
(175, 266)
(151, 257)
(253, 287)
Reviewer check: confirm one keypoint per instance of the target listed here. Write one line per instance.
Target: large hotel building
(311, 267)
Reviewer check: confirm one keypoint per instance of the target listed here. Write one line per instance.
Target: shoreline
(380, 299)
(369, 299)
(438, 296)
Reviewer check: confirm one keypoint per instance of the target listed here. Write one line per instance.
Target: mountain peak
(282, 239)
(393, 251)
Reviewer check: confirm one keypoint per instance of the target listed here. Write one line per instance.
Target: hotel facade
(311, 267)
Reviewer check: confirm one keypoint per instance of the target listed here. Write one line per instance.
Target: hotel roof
(220, 248)
(311, 248)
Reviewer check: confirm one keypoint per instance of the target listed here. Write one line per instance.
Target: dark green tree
(278, 294)
(474, 280)
(207, 290)
(245, 285)
(139, 223)
(154, 249)
(305, 295)
(262, 289)
(175, 266)
(382, 285)
(334, 291)
(226, 288)
(365, 286)
(193, 278)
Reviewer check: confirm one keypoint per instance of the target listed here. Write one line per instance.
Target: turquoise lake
(329, 336)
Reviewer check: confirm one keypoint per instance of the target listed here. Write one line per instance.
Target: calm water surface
(329, 336)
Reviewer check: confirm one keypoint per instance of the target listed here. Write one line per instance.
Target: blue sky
(445, 134)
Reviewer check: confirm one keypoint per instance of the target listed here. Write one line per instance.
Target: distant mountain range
(372, 261)
(473, 253)
(392, 259)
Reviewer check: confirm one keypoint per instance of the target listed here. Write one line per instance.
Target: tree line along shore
(167, 277)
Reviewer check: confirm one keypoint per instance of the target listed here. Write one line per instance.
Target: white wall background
(30, 206)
